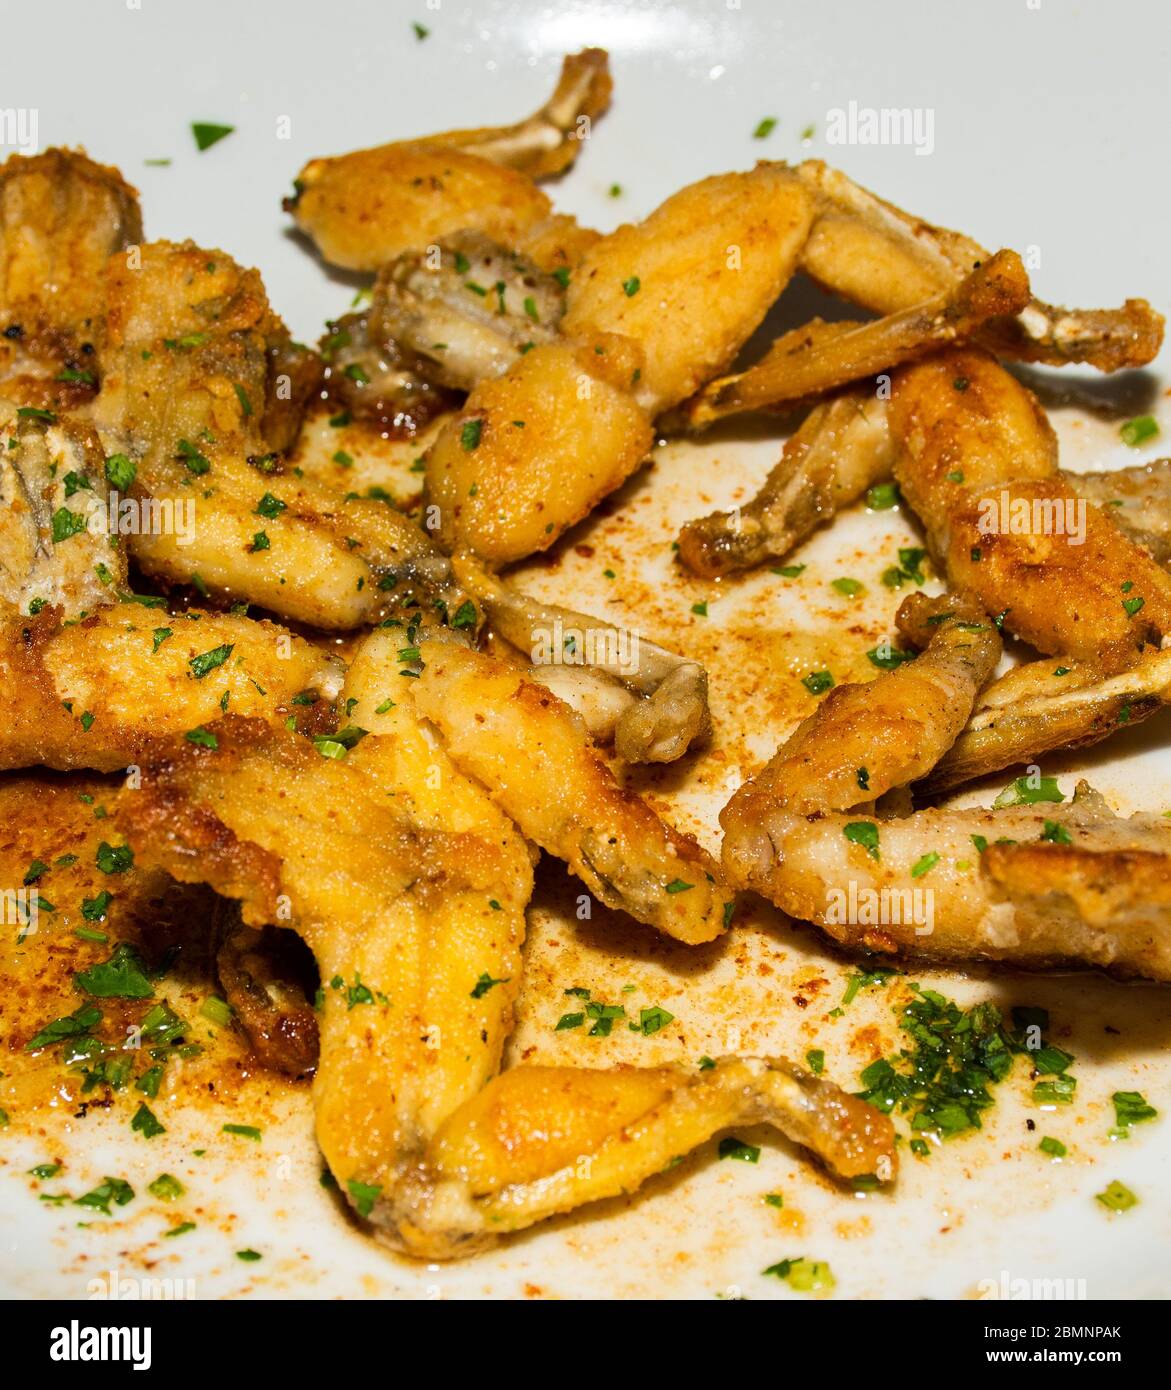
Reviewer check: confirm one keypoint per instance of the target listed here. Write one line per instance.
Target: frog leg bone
(416, 920)
(1027, 884)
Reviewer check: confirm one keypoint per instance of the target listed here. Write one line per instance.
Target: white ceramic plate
(1047, 136)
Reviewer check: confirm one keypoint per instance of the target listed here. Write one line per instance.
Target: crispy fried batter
(1034, 885)
(61, 216)
(55, 542)
(92, 694)
(366, 208)
(532, 755)
(186, 356)
(975, 457)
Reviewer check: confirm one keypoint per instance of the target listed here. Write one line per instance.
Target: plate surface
(1045, 135)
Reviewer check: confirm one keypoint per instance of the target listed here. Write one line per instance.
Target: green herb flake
(146, 1123)
(1138, 431)
(243, 1132)
(731, 1147)
(864, 833)
(207, 134)
(1117, 1197)
(123, 976)
(166, 1188)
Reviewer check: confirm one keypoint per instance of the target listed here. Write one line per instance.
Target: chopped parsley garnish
(679, 885)
(469, 435)
(817, 682)
(925, 864)
(94, 909)
(849, 588)
(943, 1080)
(364, 1195)
(485, 983)
(815, 1058)
(731, 1147)
(632, 286)
(864, 833)
(207, 134)
(208, 661)
(806, 1276)
(66, 524)
(76, 1025)
(882, 497)
(123, 976)
(788, 571)
(269, 507)
(202, 738)
(1056, 833)
(465, 615)
(651, 1020)
(116, 1190)
(166, 1187)
(146, 1123)
(114, 859)
(196, 462)
(765, 128)
(1053, 1147)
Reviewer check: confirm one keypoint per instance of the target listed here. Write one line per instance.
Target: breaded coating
(93, 693)
(366, 208)
(61, 217)
(532, 755)
(977, 460)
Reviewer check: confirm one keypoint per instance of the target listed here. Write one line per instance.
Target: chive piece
(1136, 432)
(243, 1131)
(1117, 1197)
(1022, 792)
(217, 1011)
(1131, 1108)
